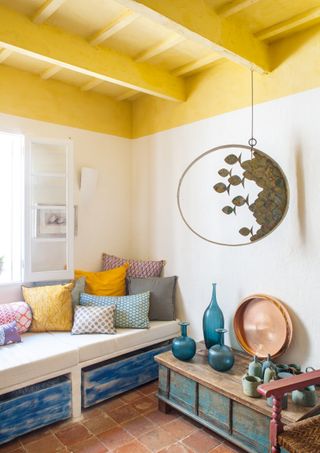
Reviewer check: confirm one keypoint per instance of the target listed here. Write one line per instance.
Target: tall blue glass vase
(212, 319)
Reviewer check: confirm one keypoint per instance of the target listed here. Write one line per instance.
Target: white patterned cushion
(94, 320)
(131, 311)
(16, 311)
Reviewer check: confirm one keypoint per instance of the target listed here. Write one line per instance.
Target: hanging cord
(252, 141)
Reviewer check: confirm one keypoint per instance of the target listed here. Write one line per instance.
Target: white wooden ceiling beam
(196, 65)
(235, 7)
(50, 72)
(4, 54)
(113, 27)
(160, 48)
(46, 10)
(91, 84)
(290, 24)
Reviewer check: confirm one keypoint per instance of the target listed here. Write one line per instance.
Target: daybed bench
(50, 376)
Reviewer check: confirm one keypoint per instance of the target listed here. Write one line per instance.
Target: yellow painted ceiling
(154, 55)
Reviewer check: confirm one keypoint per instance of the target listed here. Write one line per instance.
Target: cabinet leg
(164, 407)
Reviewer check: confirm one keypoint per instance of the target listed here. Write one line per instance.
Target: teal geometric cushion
(131, 311)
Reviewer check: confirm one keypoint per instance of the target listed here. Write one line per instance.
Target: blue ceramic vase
(220, 356)
(212, 319)
(184, 347)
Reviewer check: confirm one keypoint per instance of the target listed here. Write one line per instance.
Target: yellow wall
(226, 86)
(25, 94)
(223, 88)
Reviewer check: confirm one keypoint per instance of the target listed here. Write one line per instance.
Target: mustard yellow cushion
(106, 283)
(51, 307)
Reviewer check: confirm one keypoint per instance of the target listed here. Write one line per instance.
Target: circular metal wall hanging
(233, 195)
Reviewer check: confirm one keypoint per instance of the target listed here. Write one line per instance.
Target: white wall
(104, 223)
(286, 264)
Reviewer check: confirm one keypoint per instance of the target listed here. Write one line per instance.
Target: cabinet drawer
(110, 378)
(183, 391)
(251, 428)
(34, 406)
(214, 408)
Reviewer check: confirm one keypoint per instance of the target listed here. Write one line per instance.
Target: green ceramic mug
(250, 385)
(306, 397)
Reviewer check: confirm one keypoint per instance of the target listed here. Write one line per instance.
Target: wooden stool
(300, 437)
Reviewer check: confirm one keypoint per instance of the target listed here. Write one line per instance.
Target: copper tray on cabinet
(263, 326)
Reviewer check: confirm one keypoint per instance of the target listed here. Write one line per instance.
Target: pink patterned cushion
(136, 269)
(16, 311)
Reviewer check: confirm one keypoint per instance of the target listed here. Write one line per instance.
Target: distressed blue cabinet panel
(35, 406)
(163, 381)
(105, 380)
(214, 408)
(251, 428)
(183, 391)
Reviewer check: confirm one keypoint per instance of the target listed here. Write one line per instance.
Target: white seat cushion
(94, 346)
(37, 355)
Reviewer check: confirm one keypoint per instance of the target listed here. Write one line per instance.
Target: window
(11, 207)
(36, 209)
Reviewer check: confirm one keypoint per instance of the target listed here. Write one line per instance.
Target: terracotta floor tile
(180, 428)
(131, 396)
(19, 450)
(48, 444)
(193, 422)
(156, 439)
(201, 441)
(91, 445)
(159, 418)
(91, 412)
(10, 446)
(73, 434)
(112, 403)
(59, 426)
(138, 426)
(35, 435)
(176, 448)
(115, 437)
(154, 397)
(133, 447)
(227, 447)
(149, 388)
(123, 413)
(99, 423)
(145, 404)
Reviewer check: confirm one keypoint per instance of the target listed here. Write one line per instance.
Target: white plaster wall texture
(285, 264)
(103, 223)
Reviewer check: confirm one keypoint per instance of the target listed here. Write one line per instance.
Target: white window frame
(68, 273)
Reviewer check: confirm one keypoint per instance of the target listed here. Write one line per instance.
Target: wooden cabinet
(216, 400)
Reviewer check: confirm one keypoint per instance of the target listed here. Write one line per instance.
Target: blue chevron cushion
(131, 311)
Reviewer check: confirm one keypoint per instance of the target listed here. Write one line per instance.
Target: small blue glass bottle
(220, 356)
(184, 347)
(212, 319)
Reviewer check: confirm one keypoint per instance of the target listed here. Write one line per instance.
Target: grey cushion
(162, 297)
(77, 290)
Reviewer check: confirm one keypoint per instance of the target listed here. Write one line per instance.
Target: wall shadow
(301, 193)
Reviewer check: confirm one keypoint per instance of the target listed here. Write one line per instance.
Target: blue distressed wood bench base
(113, 377)
(33, 407)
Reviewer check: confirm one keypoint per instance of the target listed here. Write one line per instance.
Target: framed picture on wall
(51, 221)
